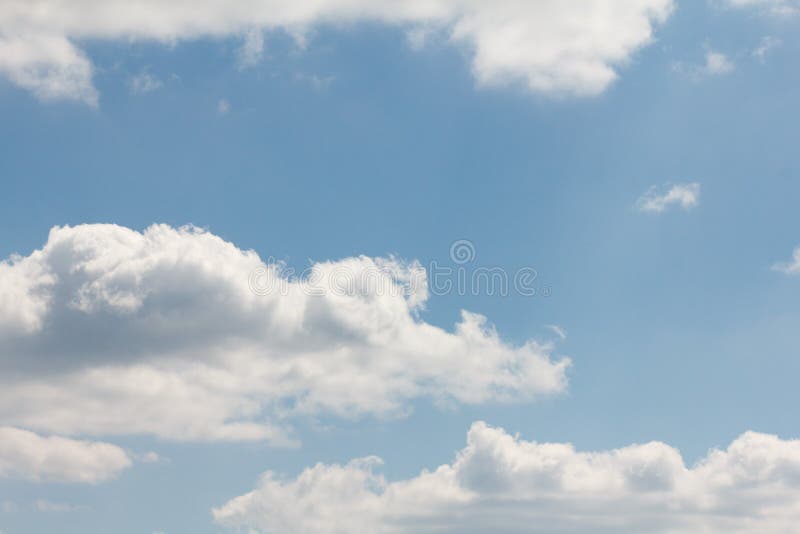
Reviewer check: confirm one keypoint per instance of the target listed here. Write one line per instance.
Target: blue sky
(355, 141)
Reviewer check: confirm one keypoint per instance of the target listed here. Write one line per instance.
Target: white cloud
(151, 458)
(26, 455)
(715, 64)
(549, 46)
(659, 199)
(144, 82)
(317, 82)
(774, 7)
(172, 332)
(557, 330)
(47, 64)
(43, 505)
(501, 484)
(789, 267)
(767, 44)
(252, 50)
(223, 107)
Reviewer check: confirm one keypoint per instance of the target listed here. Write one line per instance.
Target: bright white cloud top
(106, 330)
(501, 484)
(549, 46)
(25, 455)
(660, 199)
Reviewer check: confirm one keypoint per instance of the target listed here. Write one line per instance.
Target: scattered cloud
(29, 456)
(252, 50)
(109, 331)
(550, 46)
(46, 64)
(43, 505)
(8, 507)
(317, 82)
(789, 267)
(151, 457)
(223, 107)
(144, 82)
(557, 330)
(659, 199)
(716, 64)
(767, 44)
(502, 484)
(781, 8)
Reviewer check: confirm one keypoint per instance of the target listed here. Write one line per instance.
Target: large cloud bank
(501, 484)
(549, 46)
(109, 331)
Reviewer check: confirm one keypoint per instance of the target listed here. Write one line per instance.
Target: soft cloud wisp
(659, 199)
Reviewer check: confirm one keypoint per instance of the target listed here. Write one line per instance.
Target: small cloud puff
(223, 107)
(715, 64)
(659, 199)
(789, 267)
(144, 82)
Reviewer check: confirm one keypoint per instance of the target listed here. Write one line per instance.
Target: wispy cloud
(715, 64)
(144, 82)
(658, 199)
(780, 8)
(767, 44)
(252, 50)
(557, 330)
(317, 82)
(43, 505)
(789, 267)
(223, 106)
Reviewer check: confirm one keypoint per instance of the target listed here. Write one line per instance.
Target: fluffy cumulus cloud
(660, 199)
(550, 46)
(501, 484)
(29, 456)
(180, 334)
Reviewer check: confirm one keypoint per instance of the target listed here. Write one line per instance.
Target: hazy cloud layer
(549, 46)
(501, 484)
(177, 333)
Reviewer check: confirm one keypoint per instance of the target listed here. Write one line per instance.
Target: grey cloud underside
(106, 330)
